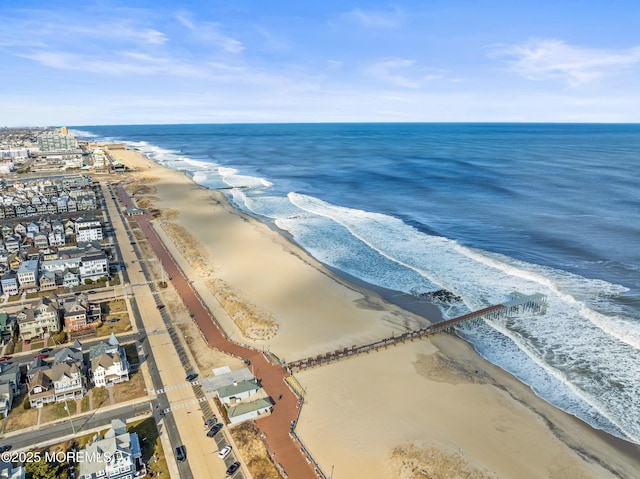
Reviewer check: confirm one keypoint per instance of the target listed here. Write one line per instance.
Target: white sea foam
(82, 133)
(482, 279)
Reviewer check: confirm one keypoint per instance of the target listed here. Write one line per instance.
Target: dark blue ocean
(476, 209)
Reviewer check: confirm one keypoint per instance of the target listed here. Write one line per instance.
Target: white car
(224, 452)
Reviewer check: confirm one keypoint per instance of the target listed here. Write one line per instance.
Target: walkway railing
(517, 303)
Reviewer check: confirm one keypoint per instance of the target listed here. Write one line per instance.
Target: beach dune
(430, 408)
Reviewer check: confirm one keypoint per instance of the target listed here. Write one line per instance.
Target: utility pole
(66, 408)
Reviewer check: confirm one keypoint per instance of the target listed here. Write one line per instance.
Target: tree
(41, 469)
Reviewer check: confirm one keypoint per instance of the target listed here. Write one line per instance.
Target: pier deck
(517, 302)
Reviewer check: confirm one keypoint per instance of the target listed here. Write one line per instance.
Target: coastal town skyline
(195, 62)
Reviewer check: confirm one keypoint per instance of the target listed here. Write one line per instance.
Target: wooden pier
(517, 303)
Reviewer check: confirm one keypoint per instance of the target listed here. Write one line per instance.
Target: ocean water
(476, 209)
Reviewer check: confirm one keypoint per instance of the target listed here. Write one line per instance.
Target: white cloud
(376, 18)
(209, 33)
(554, 59)
(402, 72)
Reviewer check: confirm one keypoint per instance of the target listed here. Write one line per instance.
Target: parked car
(191, 377)
(40, 356)
(46, 350)
(113, 320)
(5, 358)
(91, 292)
(215, 429)
(160, 306)
(211, 421)
(233, 468)
(224, 452)
(181, 453)
(5, 448)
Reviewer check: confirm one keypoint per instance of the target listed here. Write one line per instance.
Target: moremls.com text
(59, 456)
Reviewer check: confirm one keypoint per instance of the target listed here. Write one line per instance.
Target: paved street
(277, 425)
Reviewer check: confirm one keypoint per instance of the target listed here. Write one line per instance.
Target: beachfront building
(249, 410)
(94, 267)
(109, 363)
(121, 452)
(237, 391)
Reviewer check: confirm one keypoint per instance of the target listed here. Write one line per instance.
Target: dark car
(191, 377)
(4, 448)
(211, 421)
(160, 306)
(215, 429)
(46, 350)
(91, 292)
(233, 468)
(181, 453)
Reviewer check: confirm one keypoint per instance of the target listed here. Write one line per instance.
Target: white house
(56, 238)
(68, 381)
(28, 275)
(94, 267)
(9, 283)
(109, 363)
(120, 451)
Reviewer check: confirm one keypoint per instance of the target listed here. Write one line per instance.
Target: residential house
(88, 233)
(35, 366)
(41, 241)
(94, 267)
(7, 326)
(48, 281)
(56, 238)
(33, 229)
(9, 282)
(6, 400)
(9, 385)
(68, 381)
(79, 313)
(9, 471)
(108, 363)
(20, 229)
(28, 276)
(12, 243)
(70, 278)
(122, 453)
(41, 389)
(39, 320)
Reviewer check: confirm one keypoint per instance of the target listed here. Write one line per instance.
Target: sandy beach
(427, 409)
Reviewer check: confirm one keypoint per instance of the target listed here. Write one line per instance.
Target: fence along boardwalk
(517, 302)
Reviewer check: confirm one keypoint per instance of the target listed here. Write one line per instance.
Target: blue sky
(237, 61)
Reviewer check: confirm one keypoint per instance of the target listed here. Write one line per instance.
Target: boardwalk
(277, 426)
(517, 302)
